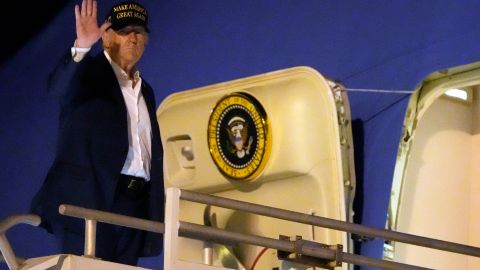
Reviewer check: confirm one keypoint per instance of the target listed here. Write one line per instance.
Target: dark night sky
(21, 20)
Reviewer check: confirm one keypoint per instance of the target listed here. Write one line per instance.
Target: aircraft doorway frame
(429, 90)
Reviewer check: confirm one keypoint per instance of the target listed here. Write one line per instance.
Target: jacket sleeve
(61, 80)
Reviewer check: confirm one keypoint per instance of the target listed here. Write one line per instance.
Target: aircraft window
(459, 94)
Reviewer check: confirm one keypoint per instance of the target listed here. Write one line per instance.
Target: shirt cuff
(79, 53)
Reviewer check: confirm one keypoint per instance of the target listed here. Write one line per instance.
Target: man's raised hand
(88, 31)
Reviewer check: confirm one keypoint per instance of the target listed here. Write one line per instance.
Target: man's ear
(106, 39)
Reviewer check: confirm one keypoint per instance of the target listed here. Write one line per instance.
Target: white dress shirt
(139, 155)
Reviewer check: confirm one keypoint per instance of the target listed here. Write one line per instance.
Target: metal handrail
(221, 236)
(217, 235)
(201, 232)
(93, 216)
(5, 248)
(329, 223)
(111, 218)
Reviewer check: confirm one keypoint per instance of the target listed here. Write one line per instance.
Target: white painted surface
(442, 186)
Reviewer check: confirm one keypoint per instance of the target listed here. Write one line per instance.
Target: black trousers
(114, 243)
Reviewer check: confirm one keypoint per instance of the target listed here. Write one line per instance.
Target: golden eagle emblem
(237, 133)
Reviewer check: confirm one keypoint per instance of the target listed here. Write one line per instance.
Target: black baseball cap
(127, 13)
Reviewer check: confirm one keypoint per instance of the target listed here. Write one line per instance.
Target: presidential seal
(238, 136)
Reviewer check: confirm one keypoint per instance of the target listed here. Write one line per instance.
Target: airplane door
(281, 139)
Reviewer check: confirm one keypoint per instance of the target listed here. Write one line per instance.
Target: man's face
(126, 45)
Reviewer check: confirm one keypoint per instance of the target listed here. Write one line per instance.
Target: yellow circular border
(262, 151)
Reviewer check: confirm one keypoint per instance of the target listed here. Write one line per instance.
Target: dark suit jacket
(93, 144)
